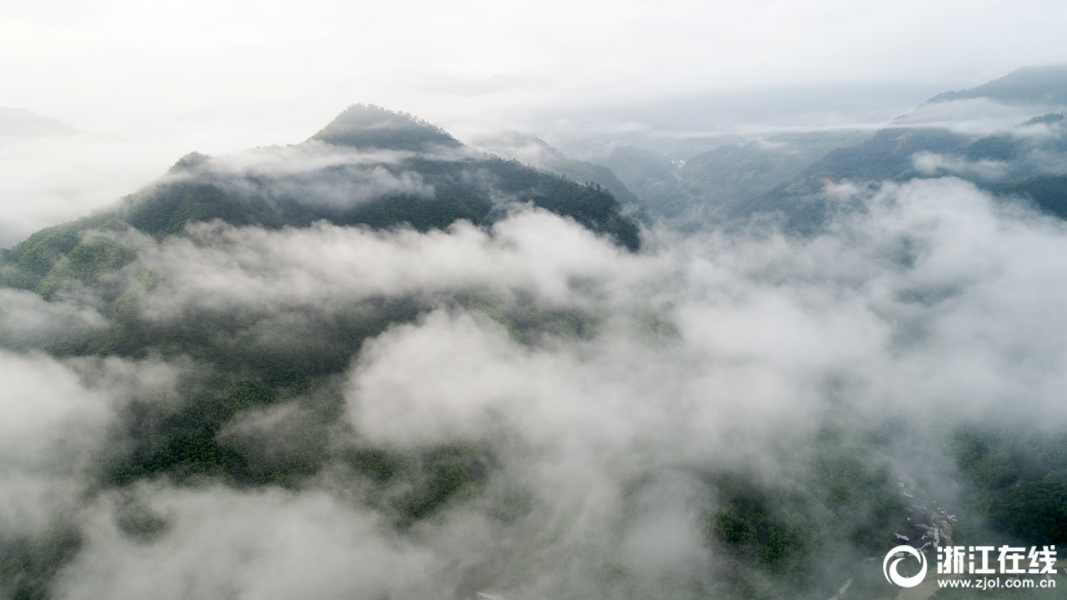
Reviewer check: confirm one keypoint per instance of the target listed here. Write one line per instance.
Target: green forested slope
(428, 191)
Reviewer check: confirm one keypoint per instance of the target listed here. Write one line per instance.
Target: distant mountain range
(786, 175)
(21, 122)
(1028, 85)
(410, 171)
(534, 151)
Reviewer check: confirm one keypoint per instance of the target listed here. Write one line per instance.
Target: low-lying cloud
(605, 414)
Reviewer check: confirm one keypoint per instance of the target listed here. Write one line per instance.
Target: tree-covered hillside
(368, 167)
(370, 170)
(371, 127)
(1025, 162)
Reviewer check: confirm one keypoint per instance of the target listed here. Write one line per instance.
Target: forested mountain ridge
(785, 176)
(723, 183)
(1023, 162)
(373, 127)
(372, 179)
(536, 152)
(1034, 84)
(368, 167)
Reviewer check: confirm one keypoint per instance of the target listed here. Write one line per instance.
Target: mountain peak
(370, 126)
(1027, 85)
(19, 121)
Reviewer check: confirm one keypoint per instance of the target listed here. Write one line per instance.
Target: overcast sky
(164, 78)
(125, 67)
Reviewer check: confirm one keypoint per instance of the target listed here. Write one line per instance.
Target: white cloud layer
(934, 307)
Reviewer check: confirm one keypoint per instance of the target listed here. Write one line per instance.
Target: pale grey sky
(131, 68)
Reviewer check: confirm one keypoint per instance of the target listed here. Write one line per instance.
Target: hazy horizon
(158, 81)
(54, 175)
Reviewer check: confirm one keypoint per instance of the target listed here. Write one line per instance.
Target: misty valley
(385, 363)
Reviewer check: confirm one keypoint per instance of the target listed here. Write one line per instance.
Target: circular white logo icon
(890, 570)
